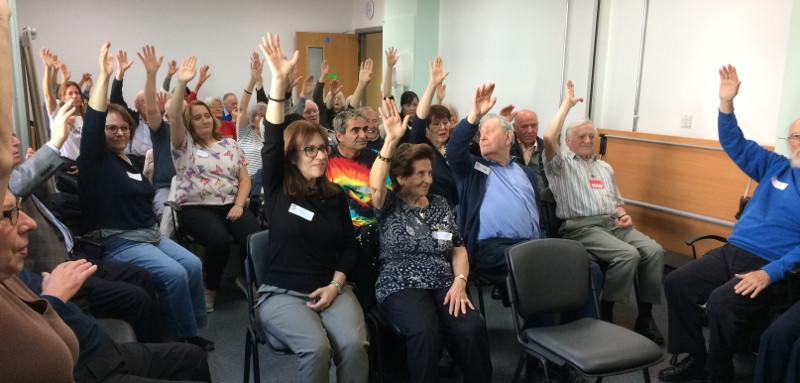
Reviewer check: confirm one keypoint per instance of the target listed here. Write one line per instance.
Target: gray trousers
(315, 337)
(629, 253)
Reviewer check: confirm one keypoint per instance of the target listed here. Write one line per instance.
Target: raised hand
(56, 62)
(441, 91)
(203, 74)
(148, 57)
(47, 57)
(508, 112)
(335, 87)
(278, 63)
(569, 94)
(394, 124)
(89, 83)
(308, 87)
(60, 128)
(86, 77)
(391, 57)
(482, 102)
(728, 83)
(256, 66)
(365, 74)
(187, 70)
(122, 64)
(65, 72)
(106, 60)
(437, 77)
(172, 68)
(323, 71)
(161, 101)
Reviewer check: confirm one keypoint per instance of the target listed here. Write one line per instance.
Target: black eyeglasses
(114, 128)
(13, 213)
(311, 151)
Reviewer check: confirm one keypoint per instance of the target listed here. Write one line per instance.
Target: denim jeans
(178, 275)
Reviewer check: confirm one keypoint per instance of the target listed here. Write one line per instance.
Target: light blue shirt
(509, 207)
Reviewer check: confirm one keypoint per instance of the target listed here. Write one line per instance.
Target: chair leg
(646, 373)
(480, 299)
(247, 345)
(256, 367)
(375, 352)
(518, 371)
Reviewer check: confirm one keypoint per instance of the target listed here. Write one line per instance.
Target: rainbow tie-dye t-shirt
(352, 174)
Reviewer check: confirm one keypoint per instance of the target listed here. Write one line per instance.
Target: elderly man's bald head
(526, 127)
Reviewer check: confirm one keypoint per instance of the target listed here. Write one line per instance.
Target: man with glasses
(736, 280)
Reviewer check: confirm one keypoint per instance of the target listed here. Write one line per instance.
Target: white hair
(500, 119)
(577, 123)
(795, 160)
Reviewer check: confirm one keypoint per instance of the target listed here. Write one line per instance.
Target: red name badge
(596, 184)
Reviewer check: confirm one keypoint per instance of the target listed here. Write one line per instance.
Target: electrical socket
(686, 121)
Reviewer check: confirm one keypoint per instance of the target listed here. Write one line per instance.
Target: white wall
(222, 35)
(360, 19)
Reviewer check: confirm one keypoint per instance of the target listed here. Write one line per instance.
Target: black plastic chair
(554, 275)
(256, 334)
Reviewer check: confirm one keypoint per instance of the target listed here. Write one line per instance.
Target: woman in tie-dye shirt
(213, 183)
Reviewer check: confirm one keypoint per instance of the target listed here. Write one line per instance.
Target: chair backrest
(257, 254)
(548, 275)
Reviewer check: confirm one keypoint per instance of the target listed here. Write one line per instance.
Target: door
(341, 51)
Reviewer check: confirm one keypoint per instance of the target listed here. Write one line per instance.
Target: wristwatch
(462, 277)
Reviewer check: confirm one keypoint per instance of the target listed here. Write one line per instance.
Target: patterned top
(582, 188)
(250, 143)
(210, 175)
(352, 174)
(416, 245)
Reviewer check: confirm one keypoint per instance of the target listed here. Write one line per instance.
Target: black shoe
(497, 294)
(690, 368)
(726, 376)
(647, 327)
(200, 341)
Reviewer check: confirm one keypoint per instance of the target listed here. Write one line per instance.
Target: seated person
(779, 349)
(312, 248)
(736, 279)
(423, 277)
(117, 205)
(374, 139)
(213, 183)
(247, 126)
(339, 104)
(589, 201)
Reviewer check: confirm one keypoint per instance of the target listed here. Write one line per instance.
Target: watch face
(369, 9)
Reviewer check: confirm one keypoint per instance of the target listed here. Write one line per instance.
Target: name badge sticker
(443, 235)
(482, 168)
(134, 176)
(201, 153)
(364, 189)
(596, 184)
(778, 184)
(301, 212)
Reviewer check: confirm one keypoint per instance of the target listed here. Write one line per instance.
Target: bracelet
(384, 159)
(239, 204)
(248, 92)
(338, 286)
(276, 99)
(462, 277)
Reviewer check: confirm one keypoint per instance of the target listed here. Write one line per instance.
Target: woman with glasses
(213, 182)
(305, 300)
(247, 126)
(116, 202)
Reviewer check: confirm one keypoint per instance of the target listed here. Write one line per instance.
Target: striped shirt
(582, 188)
(250, 143)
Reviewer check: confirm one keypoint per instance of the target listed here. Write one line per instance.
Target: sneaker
(210, 296)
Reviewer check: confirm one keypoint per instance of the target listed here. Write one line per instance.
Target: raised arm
(395, 128)
(280, 67)
(364, 77)
(65, 75)
(172, 68)
(6, 161)
(552, 137)
(256, 68)
(98, 100)
(436, 79)
(151, 66)
(441, 91)
(201, 79)
(47, 83)
(177, 131)
(391, 60)
(728, 87)
(123, 64)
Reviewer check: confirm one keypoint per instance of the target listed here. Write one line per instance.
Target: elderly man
(736, 279)
(499, 198)
(528, 148)
(374, 139)
(231, 107)
(588, 199)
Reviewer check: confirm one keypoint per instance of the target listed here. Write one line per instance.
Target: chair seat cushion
(595, 347)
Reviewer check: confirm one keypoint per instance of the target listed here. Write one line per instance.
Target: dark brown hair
(294, 183)
(187, 121)
(438, 112)
(403, 159)
(123, 112)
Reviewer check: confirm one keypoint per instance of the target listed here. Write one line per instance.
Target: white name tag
(201, 153)
(301, 212)
(134, 176)
(482, 168)
(778, 184)
(364, 189)
(443, 235)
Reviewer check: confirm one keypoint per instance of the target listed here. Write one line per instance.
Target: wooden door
(374, 51)
(341, 51)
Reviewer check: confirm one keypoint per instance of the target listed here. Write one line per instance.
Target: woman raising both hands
(311, 244)
(423, 278)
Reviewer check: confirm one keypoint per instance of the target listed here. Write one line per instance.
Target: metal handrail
(680, 213)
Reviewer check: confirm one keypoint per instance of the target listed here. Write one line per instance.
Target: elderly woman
(217, 108)
(116, 201)
(431, 126)
(213, 183)
(422, 285)
(312, 247)
(247, 126)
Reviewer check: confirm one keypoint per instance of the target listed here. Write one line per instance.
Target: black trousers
(208, 225)
(779, 350)
(490, 259)
(711, 279)
(420, 314)
(127, 292)
(146, 362)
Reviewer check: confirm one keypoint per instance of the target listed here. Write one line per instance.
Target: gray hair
(452, 109)
(260, 107)
(502, 120)
(228, 94)
(211, 100)
(340, 121)
(577, 123)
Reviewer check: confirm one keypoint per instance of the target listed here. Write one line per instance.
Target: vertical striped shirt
(582, 188)
(250, 143)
